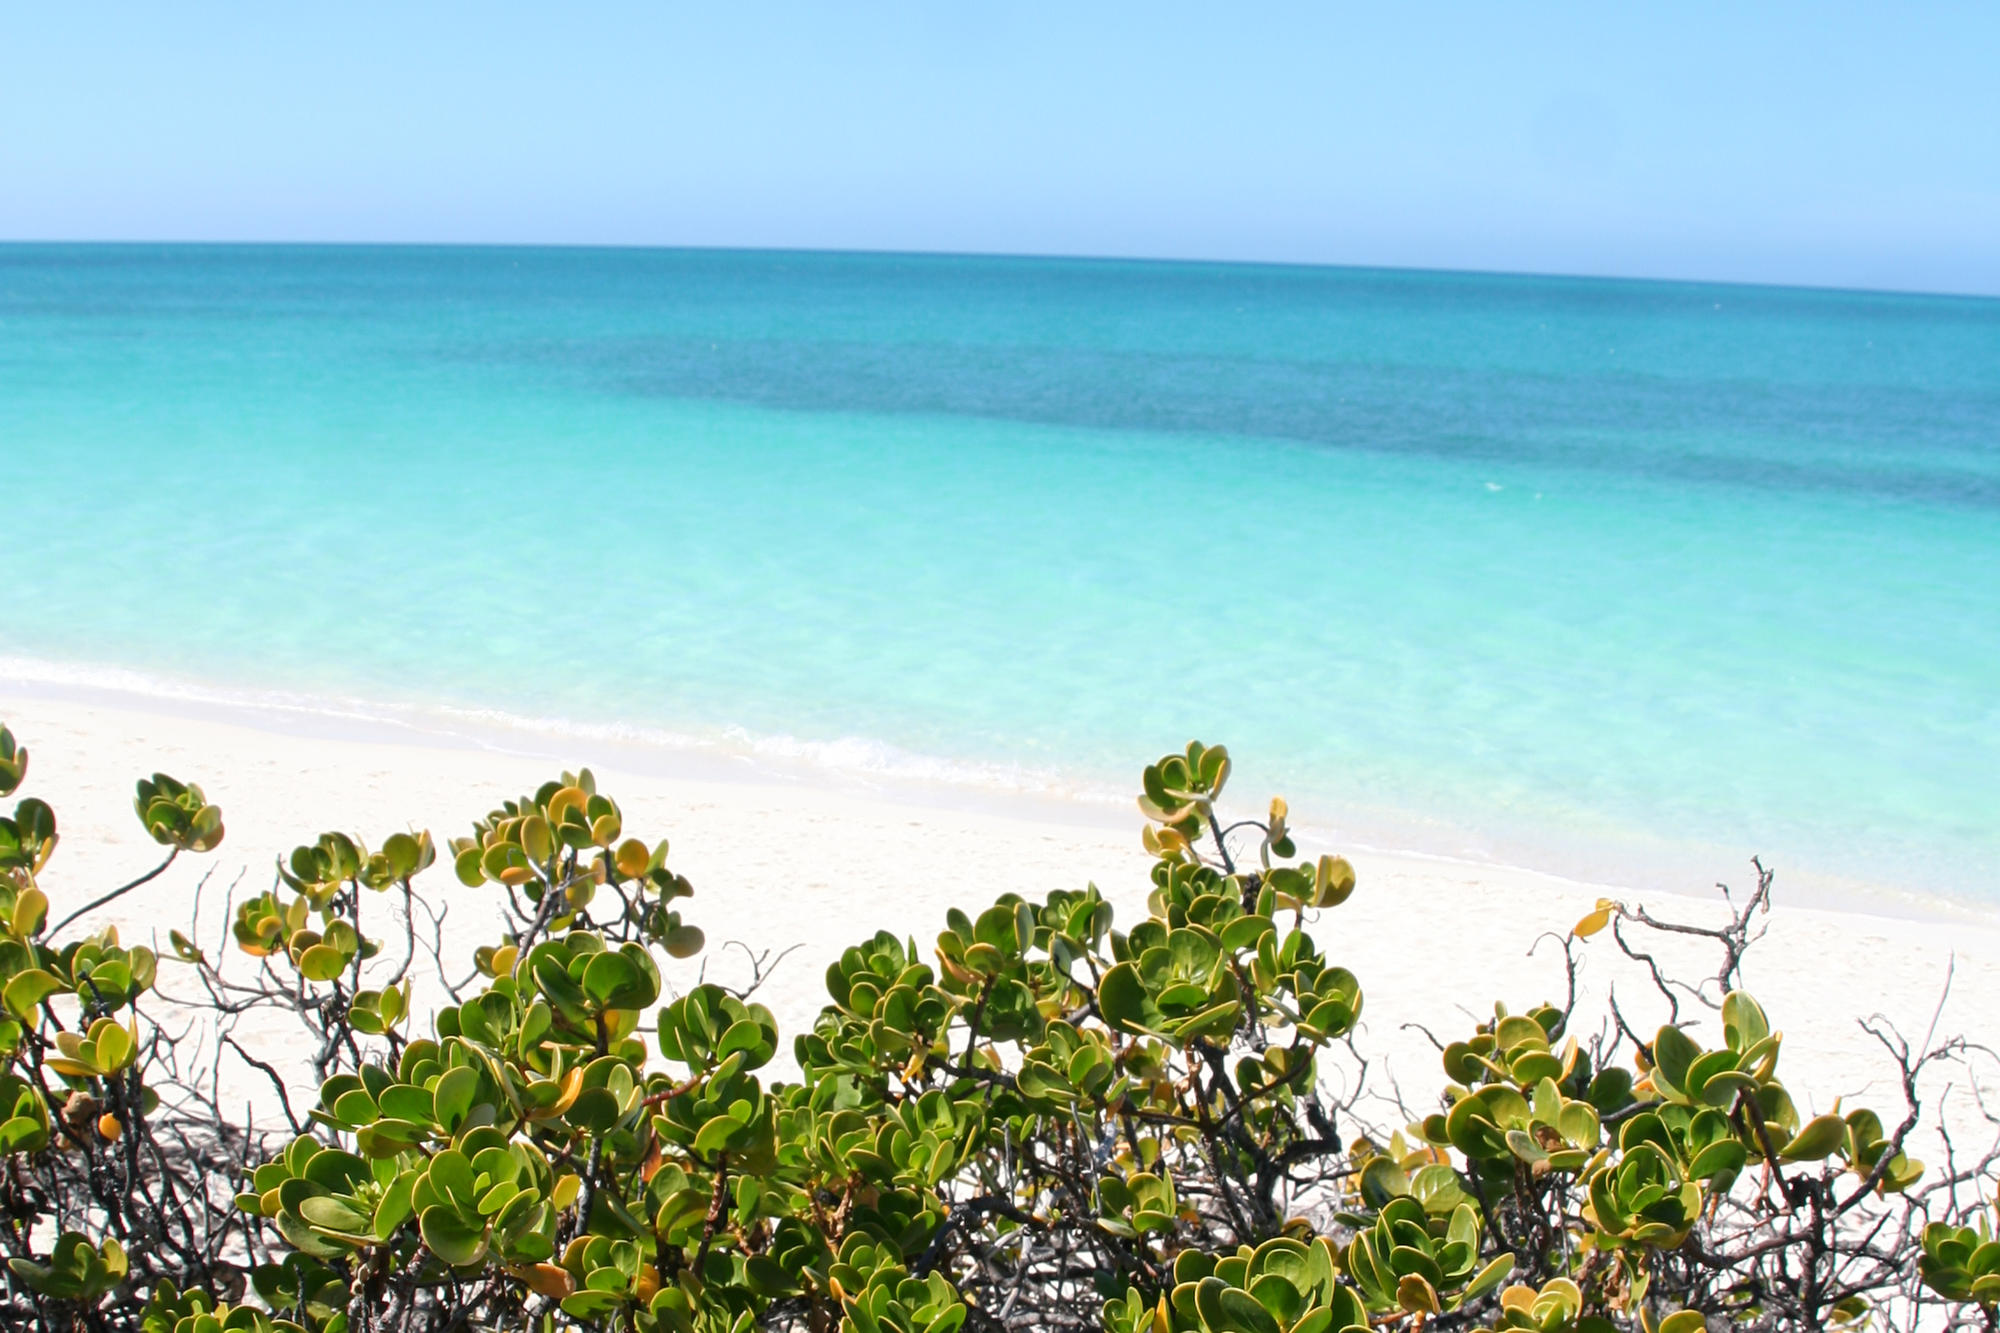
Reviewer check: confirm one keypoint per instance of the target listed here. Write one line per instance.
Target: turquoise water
(1609, 577)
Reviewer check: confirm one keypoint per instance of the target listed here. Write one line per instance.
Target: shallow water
(1620, 579)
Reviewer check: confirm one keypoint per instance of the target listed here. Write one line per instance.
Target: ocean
(1625, 580)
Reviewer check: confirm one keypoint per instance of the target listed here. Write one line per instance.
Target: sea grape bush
(1040, 1121)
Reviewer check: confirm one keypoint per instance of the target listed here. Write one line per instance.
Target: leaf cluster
(1039, 1120)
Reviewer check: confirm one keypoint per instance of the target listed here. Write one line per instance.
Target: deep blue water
(1611, 577)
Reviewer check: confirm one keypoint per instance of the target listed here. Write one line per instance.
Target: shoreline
(876, 770)
(803, 870)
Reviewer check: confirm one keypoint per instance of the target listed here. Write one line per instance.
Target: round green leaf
(452, 1238)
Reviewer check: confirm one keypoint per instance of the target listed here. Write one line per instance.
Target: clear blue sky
(1814, 143)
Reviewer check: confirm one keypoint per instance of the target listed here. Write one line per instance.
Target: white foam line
(854, 761)
(852, 757)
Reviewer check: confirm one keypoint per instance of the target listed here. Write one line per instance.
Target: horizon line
(1078, 257)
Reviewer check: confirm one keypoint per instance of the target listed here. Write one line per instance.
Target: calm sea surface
(1609, 577)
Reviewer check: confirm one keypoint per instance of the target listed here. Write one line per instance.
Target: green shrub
(1042, 1121)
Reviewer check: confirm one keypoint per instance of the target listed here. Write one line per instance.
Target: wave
(868, 765)
(853, 759)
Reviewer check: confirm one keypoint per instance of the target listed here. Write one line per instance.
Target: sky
(1821, 144)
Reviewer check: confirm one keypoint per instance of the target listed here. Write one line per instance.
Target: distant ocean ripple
(1621, 579)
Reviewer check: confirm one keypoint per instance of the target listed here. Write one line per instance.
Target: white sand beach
(778, 861)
